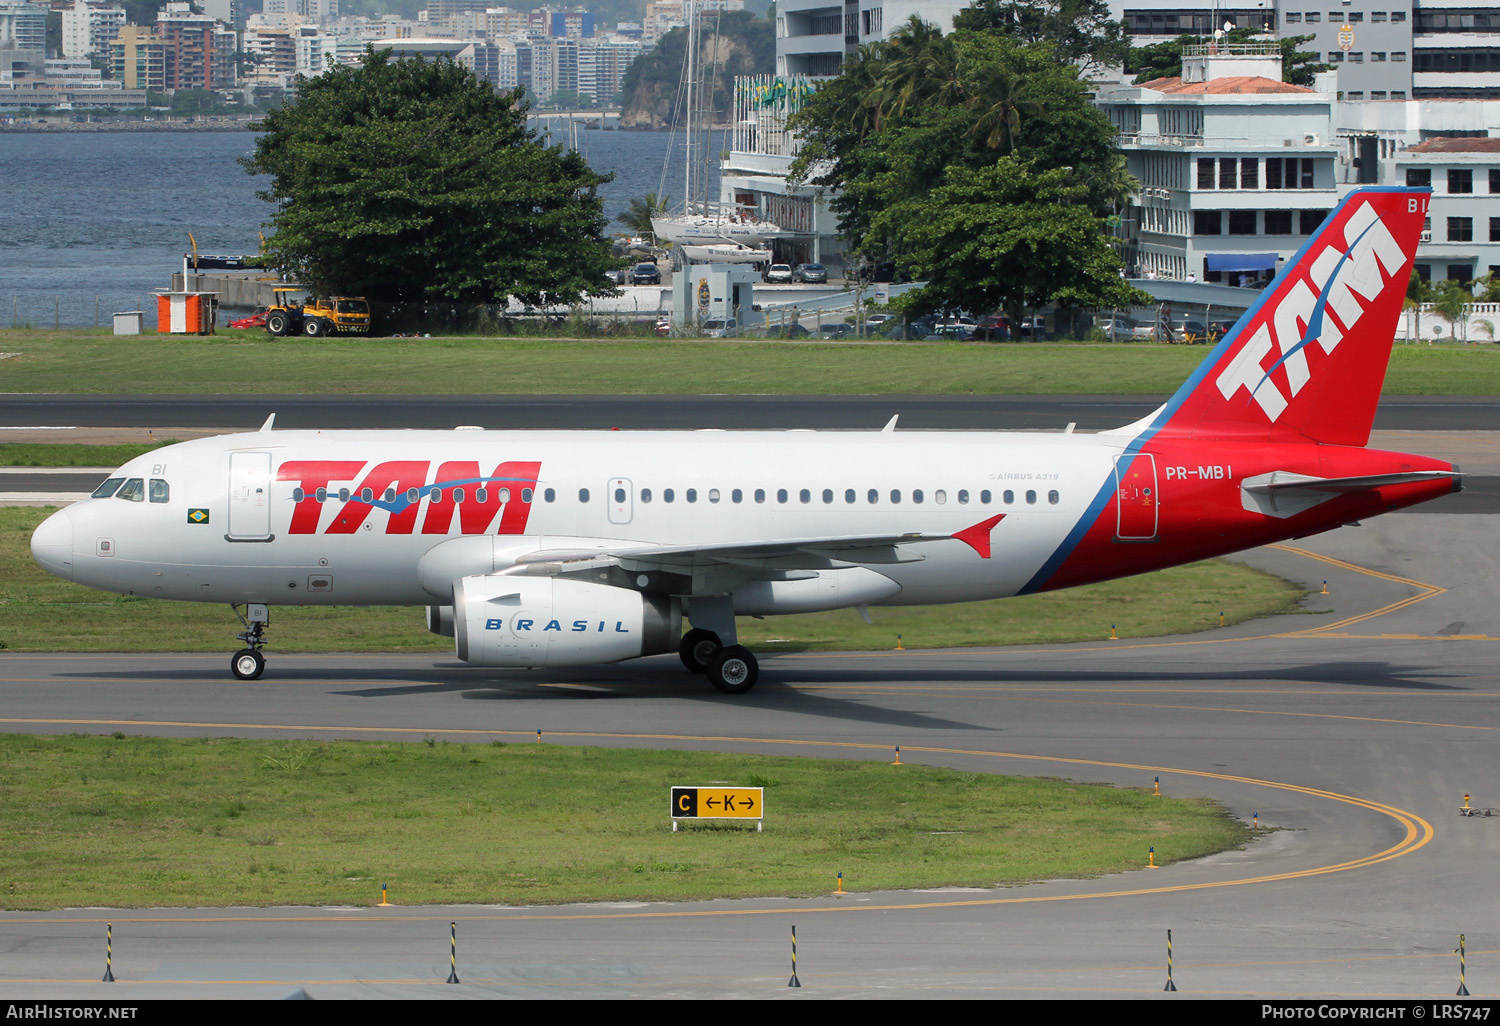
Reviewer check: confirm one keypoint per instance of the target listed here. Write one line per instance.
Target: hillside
(744, 44)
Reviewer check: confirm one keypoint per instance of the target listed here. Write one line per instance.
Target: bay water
(97, 222)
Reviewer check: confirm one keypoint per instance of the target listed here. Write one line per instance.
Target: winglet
(890, 426)
(978, 536)
(269, 421)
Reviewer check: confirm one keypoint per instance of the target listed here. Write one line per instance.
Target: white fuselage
(255, 542)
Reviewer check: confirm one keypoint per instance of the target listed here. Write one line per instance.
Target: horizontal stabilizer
(1282, 493)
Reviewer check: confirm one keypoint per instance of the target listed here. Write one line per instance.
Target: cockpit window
(159, 490)
(134, 490)
(108, 488)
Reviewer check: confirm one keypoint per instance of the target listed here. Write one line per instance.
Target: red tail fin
(1310, 357)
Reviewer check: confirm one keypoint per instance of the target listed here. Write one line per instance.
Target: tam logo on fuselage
(1341, 282)
(401, 488)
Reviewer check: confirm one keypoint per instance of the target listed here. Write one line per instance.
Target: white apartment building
(1236, 167)
(89, 28)
(1462, 236)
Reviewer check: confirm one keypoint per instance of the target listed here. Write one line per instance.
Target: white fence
(1481, 323)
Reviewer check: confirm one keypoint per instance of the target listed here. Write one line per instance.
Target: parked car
(1033, 329)
(950, 333)
(777, 274)
(615, 275)
(664, 326)
(876, 320)
(645, 274)
(255, 320)
(836, 331)
(1116, 327)
(720, 327)
(792, 330)
(810, 274)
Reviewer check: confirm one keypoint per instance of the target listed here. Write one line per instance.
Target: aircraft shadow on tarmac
(637, 680)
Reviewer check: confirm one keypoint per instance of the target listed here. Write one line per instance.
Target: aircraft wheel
(247, 664)
(733, 670)
(698, 649)
(276, 323)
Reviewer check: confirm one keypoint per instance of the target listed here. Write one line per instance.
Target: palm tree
(921, 63)
(637, 217)
(1000, 96)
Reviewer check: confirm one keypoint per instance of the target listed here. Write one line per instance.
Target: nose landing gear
(248, 663)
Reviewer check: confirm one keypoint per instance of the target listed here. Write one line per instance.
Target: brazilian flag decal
(197, 516)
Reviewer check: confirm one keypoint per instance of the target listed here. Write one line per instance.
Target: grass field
(39, 612)
(251, 362)
(152, 822)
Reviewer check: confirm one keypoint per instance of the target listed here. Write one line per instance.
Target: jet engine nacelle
(440, 620)
(543, 621)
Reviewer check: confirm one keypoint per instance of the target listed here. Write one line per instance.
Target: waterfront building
(89, 27)
(1235, 167)
(138, 59)
(199, 51)
(1461, 239)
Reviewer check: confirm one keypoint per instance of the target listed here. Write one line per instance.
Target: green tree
(908, 117)
(1008, 237)
(1450, 300)
(637, 216)
(413, 179)
(1081, 31)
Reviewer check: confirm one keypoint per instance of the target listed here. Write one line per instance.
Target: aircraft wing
(813, 553)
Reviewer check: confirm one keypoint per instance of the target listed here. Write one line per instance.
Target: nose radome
(52, 544)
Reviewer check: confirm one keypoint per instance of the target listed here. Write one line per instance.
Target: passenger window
(940, 497)
(298, 495)
(322, 495)
(916, 495)
(134, 490)
(343, 495)
(108, 488)
(895, 495)
(390, 495)
(1030, 497)
(963, 496)
(619, 495)
(435, 494)
(737, 496)
(481, 495)
(458, 495)
(874, 496)
(691, 495)
(805, 495)
(526, 494)
(504, 495)
(1052, 497)
(760, 495)
(667, 495)
(583, 495)
(984, 497)
(713, 495)
(645, 495)
(1009, 496)
(366, 495)
(849, 496)
(827, 495)
(413, 496)
(550, 495)
(781, 495)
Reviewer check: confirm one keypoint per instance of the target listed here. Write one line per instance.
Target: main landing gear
(731, 669)
(248, 663)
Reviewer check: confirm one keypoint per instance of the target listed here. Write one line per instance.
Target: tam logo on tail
(1310, 357)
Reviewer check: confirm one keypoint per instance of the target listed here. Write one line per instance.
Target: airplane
(564, 548)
